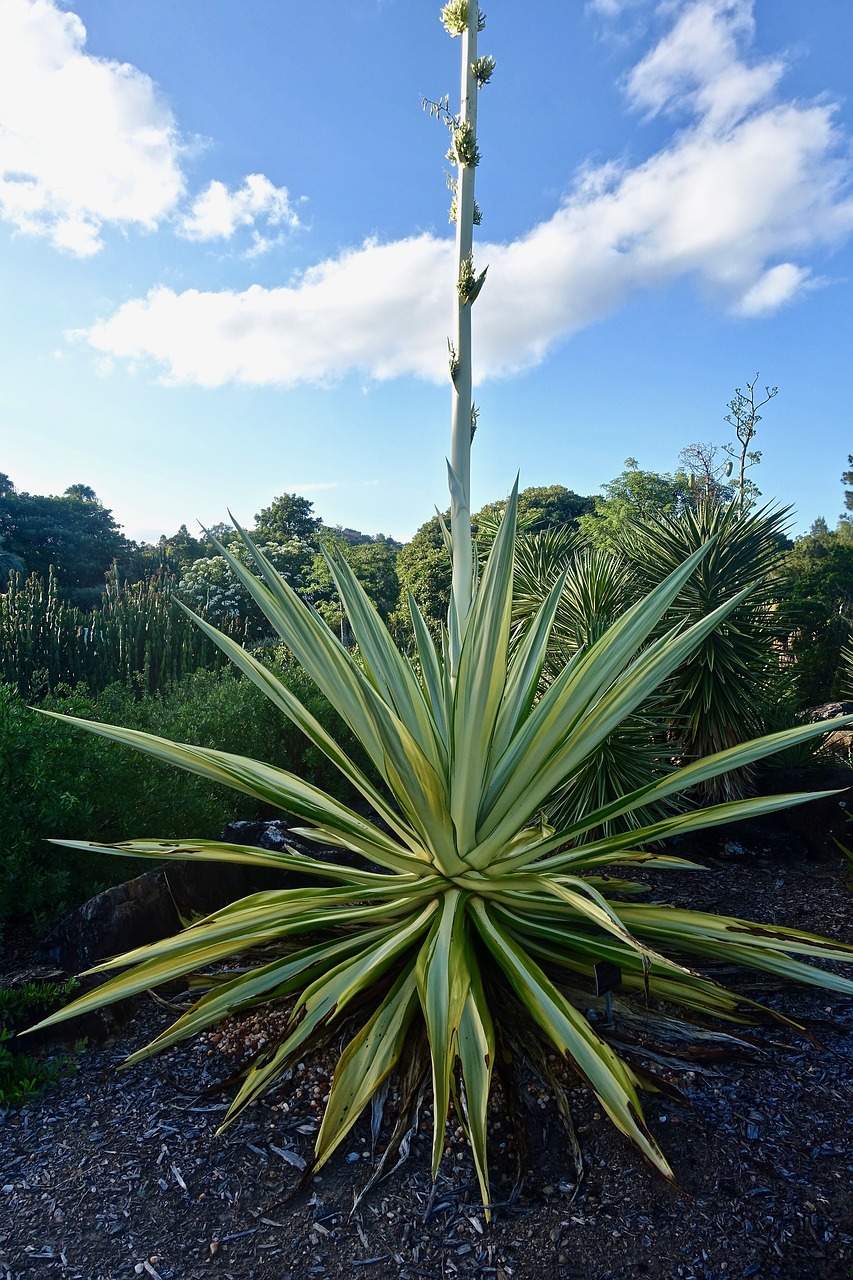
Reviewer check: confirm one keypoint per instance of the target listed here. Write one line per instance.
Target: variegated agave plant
(473, 891)
(471, 912)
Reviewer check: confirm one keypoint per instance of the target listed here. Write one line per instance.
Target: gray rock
(826, 711)
(153, 905)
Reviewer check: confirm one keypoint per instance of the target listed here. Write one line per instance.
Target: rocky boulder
(156, 904)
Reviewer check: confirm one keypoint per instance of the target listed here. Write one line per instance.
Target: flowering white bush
(210, 588)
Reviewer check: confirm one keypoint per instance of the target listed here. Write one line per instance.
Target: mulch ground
(119, 1173)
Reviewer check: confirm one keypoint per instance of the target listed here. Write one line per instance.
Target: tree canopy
(288, 516)
(634, 495)
(817, 591)
(74, 533)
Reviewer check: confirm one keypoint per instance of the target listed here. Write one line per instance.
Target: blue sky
(226, 268)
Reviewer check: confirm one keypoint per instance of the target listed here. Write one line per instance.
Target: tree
(289, 516)
(373, 562)
(79, 537)
(540, 507)
(210, 588)
(423, 567)
(816, 592)
(847, 478)
(9, 564)
(634, 495)
(82, 493)
(707, 476)
(424, 570)
(181, 549)
(743, 415)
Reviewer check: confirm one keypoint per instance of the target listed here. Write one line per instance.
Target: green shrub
(21, 1076)
(53, 783)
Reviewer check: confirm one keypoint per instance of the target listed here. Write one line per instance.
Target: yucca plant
(716, 699)
(471, 912)
(598, 586)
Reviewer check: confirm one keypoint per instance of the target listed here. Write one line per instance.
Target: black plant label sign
(607, 976)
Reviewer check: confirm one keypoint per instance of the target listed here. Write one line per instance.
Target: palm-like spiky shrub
(598, 586)
(473, 905)
(716, 698)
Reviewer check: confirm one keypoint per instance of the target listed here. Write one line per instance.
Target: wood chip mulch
(116, 1174)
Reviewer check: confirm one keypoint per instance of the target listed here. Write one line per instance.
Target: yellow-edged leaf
(476, 1047)
(609, 1077)
(443, 980)
(271, 981)
(480, 681)
(262, 782)
(367, 1061)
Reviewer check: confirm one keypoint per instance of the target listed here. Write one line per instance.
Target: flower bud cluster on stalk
(465, 20)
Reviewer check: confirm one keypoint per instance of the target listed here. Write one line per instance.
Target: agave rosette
(465, 888)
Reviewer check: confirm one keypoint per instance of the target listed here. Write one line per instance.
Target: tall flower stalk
(465, 20)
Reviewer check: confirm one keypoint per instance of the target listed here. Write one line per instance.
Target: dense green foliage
(53, 783)
(816, 610)
(540, 507)
(423, 570)
(289, 516)
(634, 495)
(74, 533)
(23, 1077)
(373, 562)
(423, 566)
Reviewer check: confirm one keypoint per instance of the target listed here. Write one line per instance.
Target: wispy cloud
(87, 143)
(612, 8)
(747, 187)
(697, 67)
(777, 286)
(217, 212)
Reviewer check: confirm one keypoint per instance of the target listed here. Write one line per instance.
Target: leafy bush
(52, 784)
(21, 1076)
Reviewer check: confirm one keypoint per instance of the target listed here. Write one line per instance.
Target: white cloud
(612, 8)
(380, 309)
(697, 66)
(747, 186)
(777, 286)
(87, 143)
(217, 212)
(83, 141)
